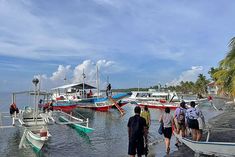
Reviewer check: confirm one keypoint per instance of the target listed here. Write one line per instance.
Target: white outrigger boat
(35, 122)
(155, 99)
(224, 149)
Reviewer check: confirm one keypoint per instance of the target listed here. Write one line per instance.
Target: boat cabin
(73, 91)
(155, 96)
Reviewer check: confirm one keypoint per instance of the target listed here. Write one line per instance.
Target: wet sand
(226, 120)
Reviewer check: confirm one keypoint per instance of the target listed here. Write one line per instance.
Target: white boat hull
(209, 148)
(35, 140)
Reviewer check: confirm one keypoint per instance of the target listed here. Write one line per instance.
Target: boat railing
(73, 119)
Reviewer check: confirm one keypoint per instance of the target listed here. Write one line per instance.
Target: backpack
(181, 117)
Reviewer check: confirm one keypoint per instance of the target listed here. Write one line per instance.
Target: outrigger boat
(209, 148)
(154, 99)
(80, 124)
(35, 122)
(102, 104)
(82, 96)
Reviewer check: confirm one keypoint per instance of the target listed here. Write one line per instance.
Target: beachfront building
(212, 88)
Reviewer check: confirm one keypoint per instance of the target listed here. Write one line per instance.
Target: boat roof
(32, 92)
(75, 85)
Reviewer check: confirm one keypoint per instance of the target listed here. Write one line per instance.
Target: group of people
(185, 121)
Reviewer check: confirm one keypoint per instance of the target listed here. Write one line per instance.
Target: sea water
(110, 137)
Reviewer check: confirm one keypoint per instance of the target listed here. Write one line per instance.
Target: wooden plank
(122, 111)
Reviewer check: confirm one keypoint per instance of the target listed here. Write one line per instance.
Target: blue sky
(149, 41)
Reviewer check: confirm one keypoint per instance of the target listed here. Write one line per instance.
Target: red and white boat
(75, 97)
(154, 99)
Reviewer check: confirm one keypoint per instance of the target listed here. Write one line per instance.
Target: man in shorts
(137, 133)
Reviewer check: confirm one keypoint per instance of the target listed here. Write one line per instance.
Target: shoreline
(224, 120)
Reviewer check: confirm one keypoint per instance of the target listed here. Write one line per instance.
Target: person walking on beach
(146, 115)
(179, 120)
(192, 115)
(167, 120)
(137, 133)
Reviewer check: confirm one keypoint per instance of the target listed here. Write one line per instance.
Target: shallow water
(108, 139)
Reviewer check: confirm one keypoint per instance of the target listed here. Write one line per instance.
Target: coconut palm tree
(201, 84)
(225, 76)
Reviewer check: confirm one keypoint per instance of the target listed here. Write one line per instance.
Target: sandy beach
(225, 120)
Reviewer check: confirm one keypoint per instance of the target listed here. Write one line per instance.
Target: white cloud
(28, 35)
(61, 73)
(188, 75)
(89, 68)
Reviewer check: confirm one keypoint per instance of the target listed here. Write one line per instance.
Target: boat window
(143, 95)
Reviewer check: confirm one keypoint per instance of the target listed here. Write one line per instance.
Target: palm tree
(201, 84)
(211, 73)
(225, 75)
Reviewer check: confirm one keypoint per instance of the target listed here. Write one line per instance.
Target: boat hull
(65, 108)
(209, 148)
(35, 140)
(97, 108)
(102, 104)
(78, 127)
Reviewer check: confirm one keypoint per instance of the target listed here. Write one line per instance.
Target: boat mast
(138, 85)
(35, 82)
(97, 81)
(83, 84)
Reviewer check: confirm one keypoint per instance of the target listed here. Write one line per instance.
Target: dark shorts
(167, 132)
(193, 124)
(136, 146)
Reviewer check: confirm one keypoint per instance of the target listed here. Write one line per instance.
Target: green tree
(225, 76)
(201, 84)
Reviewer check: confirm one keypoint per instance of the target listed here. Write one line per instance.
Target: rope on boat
(77, 113)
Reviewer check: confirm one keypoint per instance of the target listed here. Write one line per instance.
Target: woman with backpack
(179, 119)
(168, 121)
(192, 115)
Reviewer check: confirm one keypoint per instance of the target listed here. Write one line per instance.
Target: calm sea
(108, 139)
